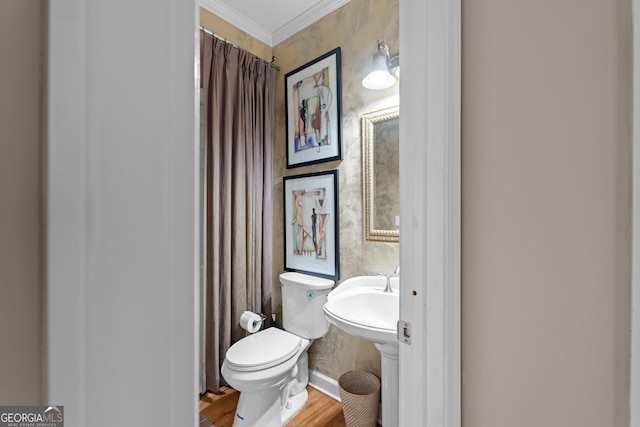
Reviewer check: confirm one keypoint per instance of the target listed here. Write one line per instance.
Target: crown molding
(238, 20)
(256, 30)
(305, 19)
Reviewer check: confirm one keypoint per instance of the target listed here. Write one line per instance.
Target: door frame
(122, 186)
(430, 367)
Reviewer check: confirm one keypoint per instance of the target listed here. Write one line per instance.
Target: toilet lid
(263, 350)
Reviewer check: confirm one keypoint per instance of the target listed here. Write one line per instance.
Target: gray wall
(546, 212)
(21, 222)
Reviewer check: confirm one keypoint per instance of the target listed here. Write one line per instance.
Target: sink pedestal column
(390, 383)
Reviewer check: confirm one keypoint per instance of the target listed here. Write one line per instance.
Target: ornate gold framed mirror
(381, 174)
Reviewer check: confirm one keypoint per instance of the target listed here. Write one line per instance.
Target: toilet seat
(263, 350)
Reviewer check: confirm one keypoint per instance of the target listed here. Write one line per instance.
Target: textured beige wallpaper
(356, 27)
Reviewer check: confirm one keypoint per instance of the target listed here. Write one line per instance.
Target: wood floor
(320, 410)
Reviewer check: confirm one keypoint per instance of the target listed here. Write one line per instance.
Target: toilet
(270, 368)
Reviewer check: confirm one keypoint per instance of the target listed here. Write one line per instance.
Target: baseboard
(324, 384)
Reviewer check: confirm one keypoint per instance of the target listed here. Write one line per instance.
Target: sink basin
(360, 307)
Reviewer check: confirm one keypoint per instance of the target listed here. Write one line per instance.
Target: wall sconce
(385, 69)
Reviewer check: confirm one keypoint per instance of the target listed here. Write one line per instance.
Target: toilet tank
(303, 297)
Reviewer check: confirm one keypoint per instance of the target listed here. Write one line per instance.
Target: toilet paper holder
(252, 322)
(262, 316)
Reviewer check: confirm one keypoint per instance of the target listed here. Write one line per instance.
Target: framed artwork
(313, 98)
(311, 224)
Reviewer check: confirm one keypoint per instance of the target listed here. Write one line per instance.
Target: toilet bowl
(270, 368)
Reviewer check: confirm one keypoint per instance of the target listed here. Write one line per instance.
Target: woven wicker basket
(360, 394)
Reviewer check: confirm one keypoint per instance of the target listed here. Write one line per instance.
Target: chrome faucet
(387, 287)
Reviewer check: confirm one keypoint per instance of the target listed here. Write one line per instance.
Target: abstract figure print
(312, 97)
(308, 223)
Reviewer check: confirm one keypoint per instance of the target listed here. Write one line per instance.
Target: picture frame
(311, 224)
(313, 94)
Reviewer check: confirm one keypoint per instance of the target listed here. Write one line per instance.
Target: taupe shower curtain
(238, 108)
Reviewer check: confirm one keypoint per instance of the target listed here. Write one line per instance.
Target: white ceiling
(271, 21)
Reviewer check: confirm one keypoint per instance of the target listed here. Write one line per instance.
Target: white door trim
(430, 153)
(122, 215)
(634, 397)
(67, 213)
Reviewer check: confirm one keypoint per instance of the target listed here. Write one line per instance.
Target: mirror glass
(381, 174)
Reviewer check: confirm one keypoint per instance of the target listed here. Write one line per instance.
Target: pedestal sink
(360, 307)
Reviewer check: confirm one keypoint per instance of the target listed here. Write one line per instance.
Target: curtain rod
(269, 63)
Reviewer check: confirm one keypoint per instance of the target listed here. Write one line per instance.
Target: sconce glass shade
(379, 77)
(377, 80)
(394, 66)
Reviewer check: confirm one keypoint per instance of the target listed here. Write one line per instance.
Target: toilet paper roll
(250, 321)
